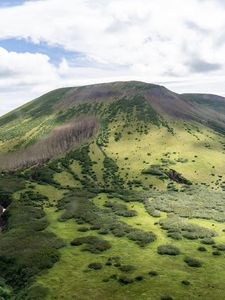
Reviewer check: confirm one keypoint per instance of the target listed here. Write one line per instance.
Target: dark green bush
(208, 241)
(216, 253)
(175, 235)
(139, 278)
(168, 250)
(193, 262)
(153, 273)
(83, 229)
(35, 292)
(185, 282)
(125, 279)
(127, 268)
(92, 244)
(220, 247)
(202, 249)
(166, 298)
(142, 238)
(95, 266)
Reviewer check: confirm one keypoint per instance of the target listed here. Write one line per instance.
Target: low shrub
(174, 224)
(83, 229)
(185, 282)
(220, 247)
(153, 273)
(125, 279)
(193, 262)
(142, 238)
(95, 266)
(127, 268)
(168, 250)
(216, 253)
(208, 241)
(92, 244)
(35, 292)
(166, 298)
(139, 278)
(175, 235)
(202, 249)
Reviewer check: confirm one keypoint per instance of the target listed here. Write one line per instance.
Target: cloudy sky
(45, 44)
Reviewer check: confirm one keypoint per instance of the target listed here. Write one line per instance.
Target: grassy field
(71, 279)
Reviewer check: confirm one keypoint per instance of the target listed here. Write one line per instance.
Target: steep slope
(119, 194)
(212, 108)
(40, 116)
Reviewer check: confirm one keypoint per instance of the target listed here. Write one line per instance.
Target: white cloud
(155, 41)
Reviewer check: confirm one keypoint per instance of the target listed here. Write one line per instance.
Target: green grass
(62, 277)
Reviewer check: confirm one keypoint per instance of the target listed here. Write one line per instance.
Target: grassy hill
(130, 206)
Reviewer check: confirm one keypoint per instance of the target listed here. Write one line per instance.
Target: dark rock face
(1, 220)
(175, 176)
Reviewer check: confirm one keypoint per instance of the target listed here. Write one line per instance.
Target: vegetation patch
(187, 230)
(193, 262)
(168, 250)
(92, 244)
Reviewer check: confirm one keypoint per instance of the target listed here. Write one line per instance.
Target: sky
(47, 44)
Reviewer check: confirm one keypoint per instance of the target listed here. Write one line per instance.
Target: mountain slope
(52, 109)
(123, 197)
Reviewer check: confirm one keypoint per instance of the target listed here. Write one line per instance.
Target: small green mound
(168, 250)
(127, 268)
(123, 279)
(95, 266)
(93, 244)
(193, 262)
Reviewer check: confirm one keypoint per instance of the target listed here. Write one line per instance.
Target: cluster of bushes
(141, 237)
(5, 292)
(36, 198)
(103, 137)
(82, 155)
(127, 268)
(150, 209)
(77, 206)
(168, 250)
(134, 183)
(111, 175)
(93, 244)
(193, 262)
(42, 175)
(114, 260)
(177, 227)
(118, 136)
(34, 292)
(11, 183)
(95, 266)
(220, 247)
(25, 226)
(184, 204)
(134, 108)
(120, 209)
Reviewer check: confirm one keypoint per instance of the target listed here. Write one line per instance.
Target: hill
(117, 191)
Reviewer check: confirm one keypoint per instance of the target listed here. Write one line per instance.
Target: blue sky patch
(5, 3)
(55, 53)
